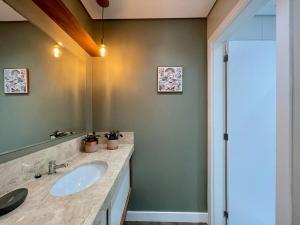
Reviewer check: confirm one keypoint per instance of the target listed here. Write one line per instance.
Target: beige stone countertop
(41, 208)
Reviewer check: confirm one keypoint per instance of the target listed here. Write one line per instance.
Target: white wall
(257, 28)
(220, 10)
(219, 23)
(296, 103)
(284, 114)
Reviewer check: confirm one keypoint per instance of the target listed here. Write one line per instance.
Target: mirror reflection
(42, 85)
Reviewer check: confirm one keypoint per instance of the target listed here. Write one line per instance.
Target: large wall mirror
(42, 85)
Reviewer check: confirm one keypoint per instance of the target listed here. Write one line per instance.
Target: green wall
(170, 159)
(57, 88)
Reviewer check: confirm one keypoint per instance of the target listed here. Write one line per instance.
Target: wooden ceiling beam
(64, 18)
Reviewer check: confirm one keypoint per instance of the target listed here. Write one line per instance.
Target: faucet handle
(52, 162)
(53, 166)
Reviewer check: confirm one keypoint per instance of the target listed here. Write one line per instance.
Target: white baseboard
(184, 217)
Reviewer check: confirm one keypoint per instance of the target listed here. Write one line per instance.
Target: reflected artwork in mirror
(42, 97)
(16, 81)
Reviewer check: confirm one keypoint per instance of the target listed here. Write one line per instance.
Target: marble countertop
(80, 208)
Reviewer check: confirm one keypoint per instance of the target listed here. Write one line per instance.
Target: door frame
(283, 104)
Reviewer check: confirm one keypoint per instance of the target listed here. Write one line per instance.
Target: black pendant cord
(102, 25)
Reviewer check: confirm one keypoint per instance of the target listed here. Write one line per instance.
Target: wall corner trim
(151, 216)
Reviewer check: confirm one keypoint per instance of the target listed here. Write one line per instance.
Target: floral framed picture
(16, 81)
(169, 79)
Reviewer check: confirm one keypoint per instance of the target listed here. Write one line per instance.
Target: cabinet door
(103, 222)
(101, 218)
(119, 198)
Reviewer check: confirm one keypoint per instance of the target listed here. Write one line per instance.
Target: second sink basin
(79, 178)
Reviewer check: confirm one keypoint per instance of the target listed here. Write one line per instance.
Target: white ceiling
(9, 14)
(150, 9)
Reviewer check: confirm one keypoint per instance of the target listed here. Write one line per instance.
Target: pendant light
(102, 46)
(103, 4)
(56, 51)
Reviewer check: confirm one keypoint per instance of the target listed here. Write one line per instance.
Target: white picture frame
(170, 79)
(16, 81)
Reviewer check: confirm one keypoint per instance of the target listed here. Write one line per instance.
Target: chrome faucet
(52, 166)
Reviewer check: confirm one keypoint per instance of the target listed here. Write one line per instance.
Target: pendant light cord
(102, 26)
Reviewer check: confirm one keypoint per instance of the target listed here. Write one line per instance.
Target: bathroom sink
(79, 178)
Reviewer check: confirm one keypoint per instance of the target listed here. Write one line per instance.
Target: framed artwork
(16, 81)
(169, 79)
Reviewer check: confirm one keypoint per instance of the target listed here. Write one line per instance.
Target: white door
(251, 128)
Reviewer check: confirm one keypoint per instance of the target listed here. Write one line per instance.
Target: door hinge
(226, 137)
(225, 59)
(226, 214)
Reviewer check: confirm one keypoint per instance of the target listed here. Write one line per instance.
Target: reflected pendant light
(56, 51)
(103, 4)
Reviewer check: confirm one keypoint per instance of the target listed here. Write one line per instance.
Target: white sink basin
(79, 178)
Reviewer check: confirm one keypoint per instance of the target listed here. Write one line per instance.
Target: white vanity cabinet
(103, 223)
(101, 218)
(114, 214)
(119, 199)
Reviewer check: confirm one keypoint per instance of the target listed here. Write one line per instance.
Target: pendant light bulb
(102, 50)
(56, 51)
